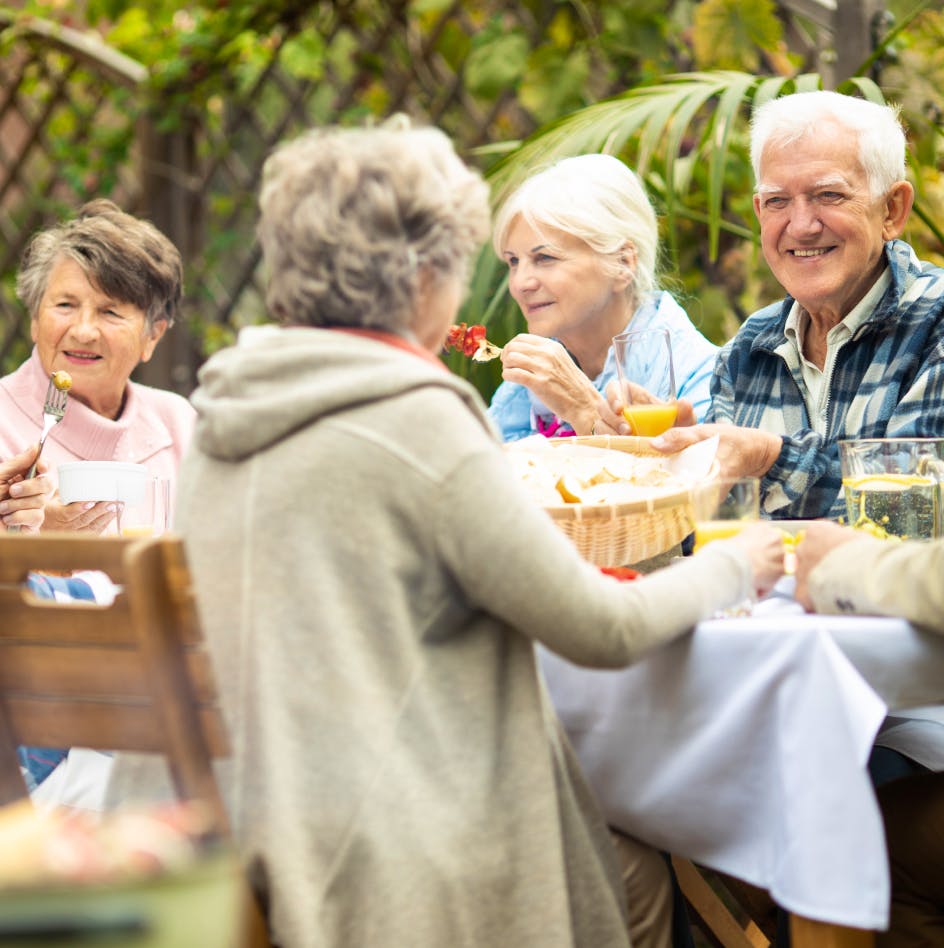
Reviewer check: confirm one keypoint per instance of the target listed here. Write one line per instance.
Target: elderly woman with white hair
(581, 242)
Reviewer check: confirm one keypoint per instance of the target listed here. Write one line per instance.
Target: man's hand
(742, 452)
(22, 502)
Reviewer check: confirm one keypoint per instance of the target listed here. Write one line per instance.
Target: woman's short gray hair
(878, 130)
(127, 258)
(350, 216)
(598, 199)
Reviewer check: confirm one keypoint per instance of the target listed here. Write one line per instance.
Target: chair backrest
(130, 676)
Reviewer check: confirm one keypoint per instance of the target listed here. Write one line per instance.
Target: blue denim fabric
(37, 763)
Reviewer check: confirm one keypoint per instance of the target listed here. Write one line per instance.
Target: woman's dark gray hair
(127, 258)
(350, 216)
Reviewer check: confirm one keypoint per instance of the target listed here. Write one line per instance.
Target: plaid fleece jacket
(888, 381)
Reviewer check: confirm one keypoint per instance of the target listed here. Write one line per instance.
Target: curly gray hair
(349, 217)
(127, 258)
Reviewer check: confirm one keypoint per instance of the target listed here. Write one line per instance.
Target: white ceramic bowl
(102, 480)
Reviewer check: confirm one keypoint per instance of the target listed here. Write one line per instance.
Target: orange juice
(709, 530)
(647, 421)
(137, 530)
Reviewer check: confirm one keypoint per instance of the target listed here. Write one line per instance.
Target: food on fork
(471, 341)
(62, 380)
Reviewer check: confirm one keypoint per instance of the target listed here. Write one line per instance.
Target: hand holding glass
(724, 507)
(646, 380)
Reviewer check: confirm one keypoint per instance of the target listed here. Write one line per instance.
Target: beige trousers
(648, 892)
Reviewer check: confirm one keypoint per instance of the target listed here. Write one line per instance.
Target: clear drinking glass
(646, 380)
(151, 516)
(894, 484)
(724, 507)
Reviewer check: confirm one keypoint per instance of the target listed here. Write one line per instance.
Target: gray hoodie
(372, 580)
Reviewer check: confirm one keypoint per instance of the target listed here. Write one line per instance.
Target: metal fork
(53, 409)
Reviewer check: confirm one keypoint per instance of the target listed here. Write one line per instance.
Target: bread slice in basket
(633, 501)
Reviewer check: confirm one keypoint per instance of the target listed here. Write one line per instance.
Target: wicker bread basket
(626, 533)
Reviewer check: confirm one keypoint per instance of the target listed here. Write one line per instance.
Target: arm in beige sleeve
(883, 577)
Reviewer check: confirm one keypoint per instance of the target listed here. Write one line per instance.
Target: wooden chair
(734, 914)
(724, 916)
(127, 677)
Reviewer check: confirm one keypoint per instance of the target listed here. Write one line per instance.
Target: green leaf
(554, 82)
(496, 64)
(303, 56)
(864, 86)
(726, 115)
(728, 34)
(421, 7)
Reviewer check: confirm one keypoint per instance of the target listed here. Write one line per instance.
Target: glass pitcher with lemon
(893, 485)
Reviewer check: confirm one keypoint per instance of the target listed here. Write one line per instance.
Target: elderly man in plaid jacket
(856, 350)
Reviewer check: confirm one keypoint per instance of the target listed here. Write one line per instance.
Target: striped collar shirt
(816, 380)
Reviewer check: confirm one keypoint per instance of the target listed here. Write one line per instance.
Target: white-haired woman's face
(561, 283)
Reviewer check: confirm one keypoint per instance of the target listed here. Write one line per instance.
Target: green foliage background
(684, 76)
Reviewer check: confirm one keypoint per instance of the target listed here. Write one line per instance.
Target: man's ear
(898, 204)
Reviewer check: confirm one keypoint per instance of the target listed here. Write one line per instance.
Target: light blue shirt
(515, 410)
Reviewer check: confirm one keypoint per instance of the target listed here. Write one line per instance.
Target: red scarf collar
(392, 339)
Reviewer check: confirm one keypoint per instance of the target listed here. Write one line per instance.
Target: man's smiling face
(822, 232)
(97, 340)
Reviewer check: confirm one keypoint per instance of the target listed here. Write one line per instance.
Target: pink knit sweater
(154, 428)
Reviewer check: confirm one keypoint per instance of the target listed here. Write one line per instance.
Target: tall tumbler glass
(646, 380)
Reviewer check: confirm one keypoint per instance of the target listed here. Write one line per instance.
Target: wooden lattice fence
(76, 121)
(62, 98)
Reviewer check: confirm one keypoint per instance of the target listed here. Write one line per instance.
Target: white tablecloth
(744, 748)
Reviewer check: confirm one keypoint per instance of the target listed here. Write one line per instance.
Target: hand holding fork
(54, 408)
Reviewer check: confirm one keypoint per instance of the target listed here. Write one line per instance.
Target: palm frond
(656, 127)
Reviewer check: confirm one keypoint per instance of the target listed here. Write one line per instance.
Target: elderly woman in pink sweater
(101, 290)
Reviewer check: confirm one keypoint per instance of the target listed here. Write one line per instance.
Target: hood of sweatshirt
(276, 380)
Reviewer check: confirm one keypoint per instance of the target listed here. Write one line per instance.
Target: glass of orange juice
(646, 380)
(149, 518)
(725, 506)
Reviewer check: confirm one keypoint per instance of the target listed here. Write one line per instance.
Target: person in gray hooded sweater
(373, 579)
